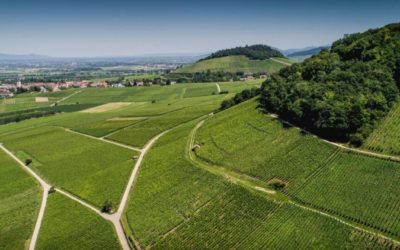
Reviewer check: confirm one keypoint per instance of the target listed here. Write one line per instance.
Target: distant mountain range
(22, 57)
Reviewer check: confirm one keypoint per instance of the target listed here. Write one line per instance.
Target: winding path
(255, 187)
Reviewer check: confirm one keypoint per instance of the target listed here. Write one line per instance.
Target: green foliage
(254, 52)
(69, 225)
(341, 93)
(19, 204)
(240, 97)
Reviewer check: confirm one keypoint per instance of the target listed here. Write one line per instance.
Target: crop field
(138, 134)
(359, 188)
(186, 207)
(20, 197)
(206, 89)
(95, 171)
(233, 64)
(211, 182)
(246, 141)
(386, 138)
(69, 225)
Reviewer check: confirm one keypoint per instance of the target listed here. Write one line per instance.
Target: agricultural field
(20, 197)
(386, 138)
(247, 141)
(252, 181)
(233, 64)
(360, 188)
(69, 225)
(93, 170)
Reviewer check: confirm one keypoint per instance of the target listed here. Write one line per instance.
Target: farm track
(103, 140)
(344, 147)
(65, 98)
(114, 218)
(245, 183)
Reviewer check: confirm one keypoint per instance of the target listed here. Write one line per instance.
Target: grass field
(95, 171)
(69, 225)
(245, 140)
(386, 138)
(20, 198)
(233, 64)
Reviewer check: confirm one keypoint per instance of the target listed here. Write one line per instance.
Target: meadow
(20, 198)
(233, 64)
(69, 225)
(93, 170)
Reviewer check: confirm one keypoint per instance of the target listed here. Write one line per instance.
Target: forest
(343, 92)
(253, 52)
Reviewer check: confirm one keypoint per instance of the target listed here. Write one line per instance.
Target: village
(10, 90)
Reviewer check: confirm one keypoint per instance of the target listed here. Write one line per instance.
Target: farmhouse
(5, 93)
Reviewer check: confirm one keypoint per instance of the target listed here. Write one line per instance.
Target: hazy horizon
(129, 28)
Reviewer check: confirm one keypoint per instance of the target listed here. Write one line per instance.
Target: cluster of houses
(8, 90)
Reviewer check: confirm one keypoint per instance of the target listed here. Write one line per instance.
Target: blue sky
(126, 28)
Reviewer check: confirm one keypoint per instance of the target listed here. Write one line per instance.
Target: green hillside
(233, 64)
(342, 93)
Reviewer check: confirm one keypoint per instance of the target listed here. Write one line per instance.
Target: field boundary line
(344, 222)
(355, 150)
(46, 187)
(102, 139)
(65, 98)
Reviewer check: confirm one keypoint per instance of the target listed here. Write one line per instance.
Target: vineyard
(386, 138)
(246, 141)
(19, 204)
(359, 188)
(69, 225)
(97, 171)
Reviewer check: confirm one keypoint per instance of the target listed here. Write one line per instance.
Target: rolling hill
(233, 64)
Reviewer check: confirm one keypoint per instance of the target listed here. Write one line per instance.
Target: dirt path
(281, 62)
(218, 87)
(359, 151)
(65, 98)
(45, 187)
(183, 93)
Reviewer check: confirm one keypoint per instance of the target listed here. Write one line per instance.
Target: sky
(87, 28)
